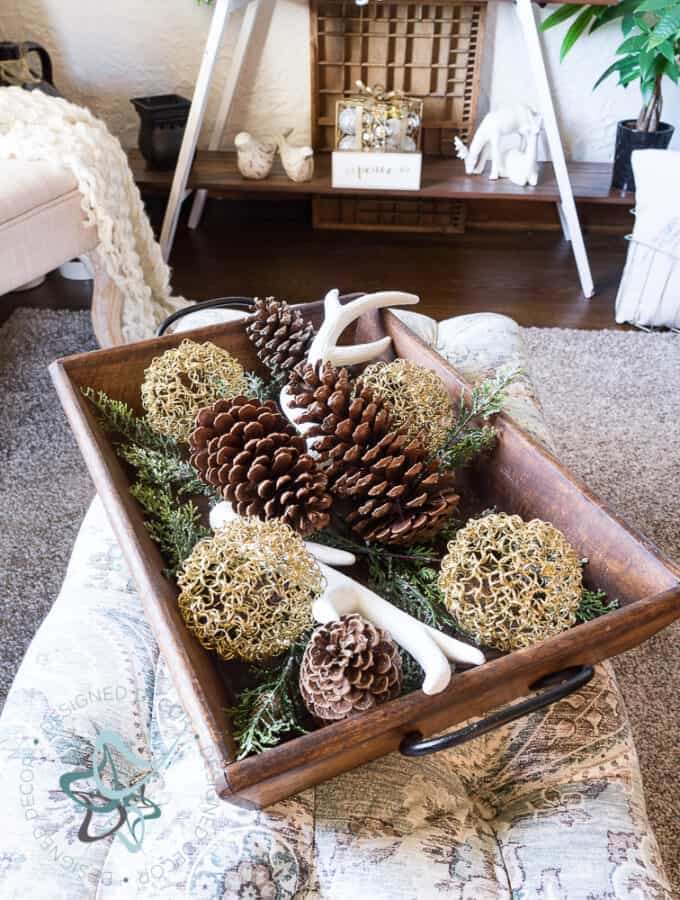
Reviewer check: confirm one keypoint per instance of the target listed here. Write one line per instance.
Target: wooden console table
(442, 177)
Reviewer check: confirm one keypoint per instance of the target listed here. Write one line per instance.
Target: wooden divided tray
(519, 477)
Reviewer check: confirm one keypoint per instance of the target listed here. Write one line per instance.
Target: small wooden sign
(376, 171)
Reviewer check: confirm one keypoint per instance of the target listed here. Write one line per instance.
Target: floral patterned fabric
(548, 808)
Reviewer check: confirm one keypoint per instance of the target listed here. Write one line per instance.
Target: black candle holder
(163, 120)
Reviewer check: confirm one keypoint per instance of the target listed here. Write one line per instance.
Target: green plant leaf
(561, 15)
(629, 77)
(576, 29)
(632, 44)
(654, 5)
(667, 27)
(666, 50)
(623, 66)
(670, 68)
(628, 24)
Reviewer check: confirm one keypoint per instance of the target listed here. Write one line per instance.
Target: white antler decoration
(338, 317)
(324, 348)
(431, 649)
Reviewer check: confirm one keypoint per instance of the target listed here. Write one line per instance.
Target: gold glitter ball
(247, 591)
(511, 583)
(181, 381)
(417, 397)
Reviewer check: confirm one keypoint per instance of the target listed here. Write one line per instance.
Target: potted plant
(649, 53)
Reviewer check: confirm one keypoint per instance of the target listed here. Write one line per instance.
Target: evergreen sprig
(165, 471)
(163, 476)
(272, 709)
(261, 388)
(594, 604)
(121, 421)
(466, 439)
(176, 527)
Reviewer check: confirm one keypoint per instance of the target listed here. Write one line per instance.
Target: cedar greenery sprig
(175, 527)
(154, 467)
(120, 420)
(407, 579)
(163, 476)
(261, 388)
(594, 604)
(271, 710)
(465, 440)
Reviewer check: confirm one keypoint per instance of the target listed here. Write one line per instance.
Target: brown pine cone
(343, 422)
(251, 453)
(349, 666)
(399, 497)
(281, 336)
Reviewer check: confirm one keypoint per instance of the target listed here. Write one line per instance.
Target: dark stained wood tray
(519, 477)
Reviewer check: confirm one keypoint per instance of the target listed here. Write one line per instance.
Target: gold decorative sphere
(417, 398)
(511, 583)
(181, 381)
(247, 591)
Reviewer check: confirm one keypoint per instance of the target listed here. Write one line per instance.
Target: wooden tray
(520, 477)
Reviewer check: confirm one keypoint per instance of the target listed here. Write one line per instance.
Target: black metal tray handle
(247, 304)
(242, 303)
(568, 681)
(45, 61)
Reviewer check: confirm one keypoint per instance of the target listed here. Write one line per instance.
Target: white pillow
(204, 317)
(649, 293)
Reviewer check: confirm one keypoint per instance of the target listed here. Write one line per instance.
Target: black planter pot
(163, 121)
(628, 138)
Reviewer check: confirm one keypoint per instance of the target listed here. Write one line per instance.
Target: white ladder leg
(240, 51)
(568, 206)
(193, 127)
(563, 222)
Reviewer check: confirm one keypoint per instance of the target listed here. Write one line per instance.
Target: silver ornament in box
(374, 119)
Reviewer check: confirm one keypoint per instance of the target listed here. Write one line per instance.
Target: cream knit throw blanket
(34, 126)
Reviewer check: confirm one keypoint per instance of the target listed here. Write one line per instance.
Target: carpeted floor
(44, 488)
(612, 399)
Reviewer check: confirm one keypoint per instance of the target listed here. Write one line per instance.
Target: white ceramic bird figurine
(254, 158)
(433, 651)
(298, 162)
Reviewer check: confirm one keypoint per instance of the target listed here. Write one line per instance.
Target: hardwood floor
(266, 248)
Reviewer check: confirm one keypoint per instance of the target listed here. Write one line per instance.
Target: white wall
(105, 53)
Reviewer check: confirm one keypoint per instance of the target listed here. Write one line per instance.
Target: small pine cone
(342, 421)
(281, 336)
(251, 453)
(349, 666)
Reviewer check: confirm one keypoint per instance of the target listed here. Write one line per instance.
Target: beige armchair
(42, 225)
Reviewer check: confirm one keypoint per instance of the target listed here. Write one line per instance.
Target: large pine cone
(349, 666)
(340, 422)
(399, 496)
(251, 453)
(281, 336)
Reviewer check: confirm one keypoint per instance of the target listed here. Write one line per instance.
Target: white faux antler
(431, 649)
(338, 317)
